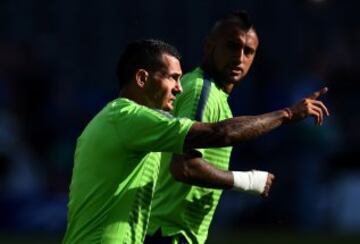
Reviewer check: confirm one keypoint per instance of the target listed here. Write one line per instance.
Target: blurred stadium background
(57, 69)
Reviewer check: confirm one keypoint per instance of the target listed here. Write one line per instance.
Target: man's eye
(249, 51)
(174, 77)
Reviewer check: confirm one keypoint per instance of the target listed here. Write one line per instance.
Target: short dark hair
(243, 17)
(142, 54)
(240, 18)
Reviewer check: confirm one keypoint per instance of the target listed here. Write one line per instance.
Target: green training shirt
(116, 165)
(180, 208)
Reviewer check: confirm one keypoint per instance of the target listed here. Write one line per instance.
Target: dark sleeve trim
(205, 91)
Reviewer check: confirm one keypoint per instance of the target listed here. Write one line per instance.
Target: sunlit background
(57, 69)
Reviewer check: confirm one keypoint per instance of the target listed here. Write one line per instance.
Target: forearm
(196, 171)
(231, 131)
(249, 127)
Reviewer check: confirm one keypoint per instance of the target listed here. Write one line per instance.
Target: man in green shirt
(184, 212)
(116, 161)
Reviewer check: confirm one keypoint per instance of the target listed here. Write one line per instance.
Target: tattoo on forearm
(249, 127)
(231, 131)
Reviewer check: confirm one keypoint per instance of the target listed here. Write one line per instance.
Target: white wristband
(250, 181)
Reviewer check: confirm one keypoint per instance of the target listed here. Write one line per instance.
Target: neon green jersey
(116, 165)
(180, 208)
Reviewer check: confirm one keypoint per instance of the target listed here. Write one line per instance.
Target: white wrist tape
(250, 181)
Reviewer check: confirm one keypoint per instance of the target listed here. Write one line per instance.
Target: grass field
(243, 237)
(280, 237)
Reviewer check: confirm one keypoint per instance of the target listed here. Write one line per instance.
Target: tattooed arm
(231, 131)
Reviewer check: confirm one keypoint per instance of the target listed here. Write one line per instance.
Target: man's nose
(240, 55)
(178, 87)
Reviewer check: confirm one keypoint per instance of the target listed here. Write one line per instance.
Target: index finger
(317, 94)
(271, 176)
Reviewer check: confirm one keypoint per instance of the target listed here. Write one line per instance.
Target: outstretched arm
(231, 131)
(194, 170)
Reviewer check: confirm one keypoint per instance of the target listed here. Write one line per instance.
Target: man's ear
(141, 77)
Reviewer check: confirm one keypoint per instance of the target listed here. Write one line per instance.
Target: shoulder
(127, 109)
(194, 85)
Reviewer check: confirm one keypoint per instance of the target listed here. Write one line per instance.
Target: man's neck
(131, 94)
(226, 87)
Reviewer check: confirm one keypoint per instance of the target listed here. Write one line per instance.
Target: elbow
(205, 135)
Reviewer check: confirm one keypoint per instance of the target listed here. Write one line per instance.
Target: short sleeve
(153, 130)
